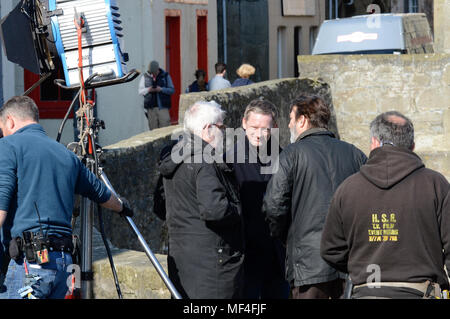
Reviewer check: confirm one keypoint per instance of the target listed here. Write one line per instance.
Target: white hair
(200, 114)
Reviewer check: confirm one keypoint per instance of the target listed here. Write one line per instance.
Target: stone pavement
(138, 278)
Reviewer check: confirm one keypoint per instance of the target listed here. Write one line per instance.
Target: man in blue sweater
(38, 179)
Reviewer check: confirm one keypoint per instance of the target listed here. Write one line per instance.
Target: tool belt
(31, 245)
(428, 289)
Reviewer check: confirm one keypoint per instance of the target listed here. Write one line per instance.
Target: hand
(126, 209)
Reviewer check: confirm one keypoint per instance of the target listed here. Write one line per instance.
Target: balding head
(17, 112)
(396, 120)
(393, 128)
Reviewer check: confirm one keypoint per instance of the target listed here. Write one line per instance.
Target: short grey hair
(22, 107)
(200, 114)
(261, 106)
(389, 131)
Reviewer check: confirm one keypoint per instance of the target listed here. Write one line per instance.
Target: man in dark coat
(203, 211)
(264, 255)
(389, 224)
(299, 193)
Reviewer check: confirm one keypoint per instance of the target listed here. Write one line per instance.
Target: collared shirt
(218, 83)
(38, 179)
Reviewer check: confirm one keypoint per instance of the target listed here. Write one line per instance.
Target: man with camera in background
(157, 87)
(38, 180)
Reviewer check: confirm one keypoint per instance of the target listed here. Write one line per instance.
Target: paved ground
(138, 278)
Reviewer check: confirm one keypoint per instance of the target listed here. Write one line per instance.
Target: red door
(52, 101)
(173, 61)
(202, 43)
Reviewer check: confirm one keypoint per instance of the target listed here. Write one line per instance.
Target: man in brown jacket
(388, 226)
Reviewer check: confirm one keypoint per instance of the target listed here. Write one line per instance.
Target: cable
(63, 123)
(108, 251)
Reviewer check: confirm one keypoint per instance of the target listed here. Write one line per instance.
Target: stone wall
(130, 165)
(363, 86)
(279, 92)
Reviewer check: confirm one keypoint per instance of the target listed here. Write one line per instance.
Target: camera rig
(82, 38)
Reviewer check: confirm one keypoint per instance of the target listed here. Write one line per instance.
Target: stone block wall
(362, 86)
(279, 92)
(130, 165)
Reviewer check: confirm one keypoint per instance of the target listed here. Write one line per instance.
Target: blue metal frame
(58, 41)
(60, 46)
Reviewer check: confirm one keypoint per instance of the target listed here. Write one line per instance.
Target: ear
(207, 130)
(10, 122)
(303, 121)
(374, 143)
(413, 147)
(244, 123)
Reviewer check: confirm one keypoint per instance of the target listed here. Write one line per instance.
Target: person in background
(156, 87)
(219, 82)
(244, 72)
(200, 84)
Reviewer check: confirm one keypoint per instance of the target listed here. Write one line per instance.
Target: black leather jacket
(298, 197)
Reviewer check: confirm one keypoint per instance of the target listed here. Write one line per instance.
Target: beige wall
(289, 23)
(365, 85)
(442, 26)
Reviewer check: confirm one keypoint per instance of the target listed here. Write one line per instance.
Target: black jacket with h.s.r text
(394, 214)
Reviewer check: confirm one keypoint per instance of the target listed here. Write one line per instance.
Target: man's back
(394, 215)
(45, 176)
(310, 171)
(218, 82)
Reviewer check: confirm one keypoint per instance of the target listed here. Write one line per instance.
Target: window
(52, 101)
(297, 48)
(281, 50)
(412, 6)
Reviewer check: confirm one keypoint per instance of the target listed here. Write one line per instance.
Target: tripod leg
(87, 219)
(147, 249)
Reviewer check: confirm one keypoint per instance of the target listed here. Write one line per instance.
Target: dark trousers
(268, 287)
(324, 290)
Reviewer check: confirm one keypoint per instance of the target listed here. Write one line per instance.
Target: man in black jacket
(298, 195)
(203, 211)
(264, 255)
(389, 225)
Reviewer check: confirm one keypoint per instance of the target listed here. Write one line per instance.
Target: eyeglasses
(221, 127)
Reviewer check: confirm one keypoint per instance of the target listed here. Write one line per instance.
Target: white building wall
(120, 106)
